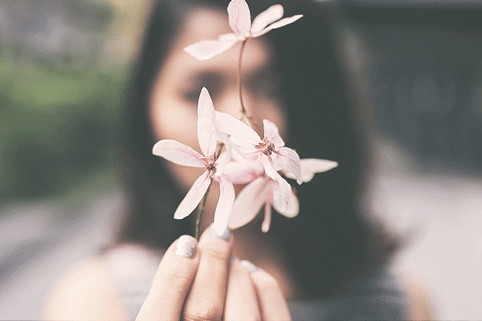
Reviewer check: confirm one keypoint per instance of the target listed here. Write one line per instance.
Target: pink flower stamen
(210, 163)
(266, 147)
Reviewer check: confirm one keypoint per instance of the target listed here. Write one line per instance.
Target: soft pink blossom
(263, 191)
(271, 149)
(181, 154)
(240, 171)
(273, 192)
(240, 23)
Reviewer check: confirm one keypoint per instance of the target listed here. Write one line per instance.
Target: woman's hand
(203, 283)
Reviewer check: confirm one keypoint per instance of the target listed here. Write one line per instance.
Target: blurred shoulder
(86, 291)
(419, 299)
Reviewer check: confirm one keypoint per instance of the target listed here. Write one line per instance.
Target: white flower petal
(281, 193)
(249, 202)
(223, 160)
(289, 206)
(271, 131)
(241, 134)
(311, 166)
(229, 37)
(277, 24)
(225, 204)
(268, 167)
(289, 160)
(193, 196)
(206, 132)
(239, 17)
(243, 172)
(178, 153)
(207, 49)
(270, 15)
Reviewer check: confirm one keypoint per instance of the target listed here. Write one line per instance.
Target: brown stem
(200, 214)
(241, 50)
(248, 120)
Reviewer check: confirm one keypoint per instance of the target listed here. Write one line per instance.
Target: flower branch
(233, 153)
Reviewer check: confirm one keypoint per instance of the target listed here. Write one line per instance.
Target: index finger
(208, 292)
(172, 281)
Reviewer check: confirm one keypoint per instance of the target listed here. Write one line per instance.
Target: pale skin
(210, 285)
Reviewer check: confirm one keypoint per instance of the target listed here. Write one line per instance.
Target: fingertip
(186, 246)
(249, 266)
(210, 234)
(271, 299)
(172, 281)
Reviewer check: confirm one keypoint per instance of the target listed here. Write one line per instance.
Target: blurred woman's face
(174, 96)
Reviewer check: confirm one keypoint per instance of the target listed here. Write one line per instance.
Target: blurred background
(63, 68)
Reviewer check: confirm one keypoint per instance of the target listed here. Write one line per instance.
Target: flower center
(211, 168)
(210, 163)
(266, 147)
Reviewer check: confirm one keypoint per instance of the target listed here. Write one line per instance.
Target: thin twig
(200, 214)
(241, 50)
(247, 118)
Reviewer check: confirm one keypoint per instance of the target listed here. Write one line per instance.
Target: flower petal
(193, 196)
(290, 206)
(289, 160)
(223, 160)
(239, 17)
(311, 166)
(249, 201)
(207, 49)
(206, 132)
(268, 167)
(277, 24)
(243, 172)
(229, 37)
(270, 15)
(281, 193)
(225, 204)
(241, 134)
(178, 153)
(271, 131)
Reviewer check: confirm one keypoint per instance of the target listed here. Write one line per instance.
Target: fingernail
(249, 266)
(186, 246)
(224, 236)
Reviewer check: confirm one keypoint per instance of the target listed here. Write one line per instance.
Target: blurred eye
(211, 80)
(191, 95)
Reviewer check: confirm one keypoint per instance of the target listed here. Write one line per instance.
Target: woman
(329, 262)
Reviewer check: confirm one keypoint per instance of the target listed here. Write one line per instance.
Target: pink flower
(240, 23)
(270, 192)
(263, 191)
(271, 149)
(179, 153)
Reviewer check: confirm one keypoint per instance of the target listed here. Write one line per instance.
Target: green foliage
(58, 126)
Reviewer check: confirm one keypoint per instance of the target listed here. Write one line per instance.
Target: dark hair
(332, 239)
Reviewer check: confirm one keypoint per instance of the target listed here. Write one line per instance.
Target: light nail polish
(186, 246)
(224, 236)
(249, 266)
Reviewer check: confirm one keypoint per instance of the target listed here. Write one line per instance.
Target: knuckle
(216, 254)
(178, 277)
(202, 310)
